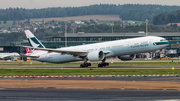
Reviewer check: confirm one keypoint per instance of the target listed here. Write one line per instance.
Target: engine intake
(95, 56)
(127, 57)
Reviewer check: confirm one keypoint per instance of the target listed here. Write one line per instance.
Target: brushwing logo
(28, 50)
(33, 43)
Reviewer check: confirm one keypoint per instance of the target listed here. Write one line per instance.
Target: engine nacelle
(95, 56)
(127, 57)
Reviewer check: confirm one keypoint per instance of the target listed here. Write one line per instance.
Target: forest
(127, 29)
(136, 12)
(167, 17)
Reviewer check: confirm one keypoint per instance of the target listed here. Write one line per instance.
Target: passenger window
(163, 40)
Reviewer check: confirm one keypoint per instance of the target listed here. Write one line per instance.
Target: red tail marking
(28, 50)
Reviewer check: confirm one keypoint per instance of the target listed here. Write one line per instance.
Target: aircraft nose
(168, 43)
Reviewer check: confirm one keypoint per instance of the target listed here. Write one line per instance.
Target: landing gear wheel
(107, 64)
(89, 64)
(99, 65)
(85, 65)
(82, 66)
(103, 64)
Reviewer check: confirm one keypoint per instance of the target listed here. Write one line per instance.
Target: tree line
(127, 29)
(126, 12)
(167, 17)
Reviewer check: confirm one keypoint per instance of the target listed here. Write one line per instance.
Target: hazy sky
(74, 3)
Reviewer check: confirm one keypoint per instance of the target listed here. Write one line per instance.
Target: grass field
(57, 72)
(155, 60)
(98, 71)
(7, 25)
(149, 63)
(159, 63)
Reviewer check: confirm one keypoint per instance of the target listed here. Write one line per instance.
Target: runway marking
(88, 76)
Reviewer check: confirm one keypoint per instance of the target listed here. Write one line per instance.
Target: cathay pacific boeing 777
(123, 49)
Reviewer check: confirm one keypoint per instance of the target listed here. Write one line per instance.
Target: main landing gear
(103, 63)
(85, 65)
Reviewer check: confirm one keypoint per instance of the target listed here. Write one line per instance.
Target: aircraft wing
(70, 52)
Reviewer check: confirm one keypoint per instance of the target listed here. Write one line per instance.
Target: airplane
(123, 49)
(28, 51)
(8, 55)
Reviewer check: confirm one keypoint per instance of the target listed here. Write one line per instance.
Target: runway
(49, 94)
(52, 94)
(77, 67)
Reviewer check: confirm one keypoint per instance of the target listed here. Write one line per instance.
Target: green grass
(154, 60)
(158, 63)
(146, 64)
(8, 24)
(51, 72)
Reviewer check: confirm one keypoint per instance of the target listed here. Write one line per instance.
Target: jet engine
(127, 57)
(95, 56)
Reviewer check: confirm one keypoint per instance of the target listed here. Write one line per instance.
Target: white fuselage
(114, 48)
(3, 55)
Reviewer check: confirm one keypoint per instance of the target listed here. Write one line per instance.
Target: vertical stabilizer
(33, 41)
